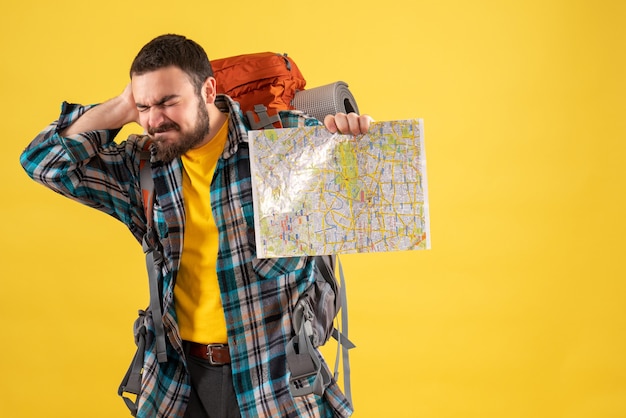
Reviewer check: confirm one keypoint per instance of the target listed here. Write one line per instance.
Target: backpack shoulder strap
(326, 266)
(343, 343)
(147, 183)
(153, 253)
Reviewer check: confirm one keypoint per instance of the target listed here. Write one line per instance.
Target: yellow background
(519, 308)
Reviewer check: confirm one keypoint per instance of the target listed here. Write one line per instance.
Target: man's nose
(155, 117)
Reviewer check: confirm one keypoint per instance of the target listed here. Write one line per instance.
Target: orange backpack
(262, 83)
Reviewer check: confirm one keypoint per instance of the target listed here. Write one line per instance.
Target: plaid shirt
(258, 295)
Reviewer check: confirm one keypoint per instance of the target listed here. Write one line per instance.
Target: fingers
(129, 100)
(329, 123)
(364, 123)
(350, 123)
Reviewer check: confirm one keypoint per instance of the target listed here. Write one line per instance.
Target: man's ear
(209, 90)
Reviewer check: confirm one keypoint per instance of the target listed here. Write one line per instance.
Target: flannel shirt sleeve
(88, 167)
(297, 118)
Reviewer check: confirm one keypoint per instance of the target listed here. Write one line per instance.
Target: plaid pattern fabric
(258, 294)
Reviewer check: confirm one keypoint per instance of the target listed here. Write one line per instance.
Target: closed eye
(166, 101)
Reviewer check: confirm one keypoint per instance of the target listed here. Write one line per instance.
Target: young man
(226, 313)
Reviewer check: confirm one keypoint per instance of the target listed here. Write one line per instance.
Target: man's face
(170, 111)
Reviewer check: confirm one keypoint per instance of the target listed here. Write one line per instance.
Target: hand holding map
(320, 193)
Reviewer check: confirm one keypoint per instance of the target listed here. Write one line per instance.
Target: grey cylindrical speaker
(325, 100)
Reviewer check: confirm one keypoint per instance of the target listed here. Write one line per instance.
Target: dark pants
(212, 392)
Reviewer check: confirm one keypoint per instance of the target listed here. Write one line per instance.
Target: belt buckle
(209, 353)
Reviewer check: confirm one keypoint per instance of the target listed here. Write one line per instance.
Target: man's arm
(112, 114)
(77, 157)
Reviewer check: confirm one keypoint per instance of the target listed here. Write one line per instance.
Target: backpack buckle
(265, 121)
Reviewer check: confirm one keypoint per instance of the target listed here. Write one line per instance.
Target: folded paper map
(320, 193)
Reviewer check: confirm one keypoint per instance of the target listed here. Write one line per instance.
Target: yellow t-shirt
(197, 293)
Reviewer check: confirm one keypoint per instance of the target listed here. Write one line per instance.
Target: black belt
(215, 354)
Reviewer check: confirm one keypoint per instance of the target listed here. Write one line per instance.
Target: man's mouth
(168, 127)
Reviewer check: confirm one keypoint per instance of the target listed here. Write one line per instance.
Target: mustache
(168, 126)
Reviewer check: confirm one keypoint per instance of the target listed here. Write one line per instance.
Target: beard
(168, 151)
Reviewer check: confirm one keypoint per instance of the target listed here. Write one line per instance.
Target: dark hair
(174, 50)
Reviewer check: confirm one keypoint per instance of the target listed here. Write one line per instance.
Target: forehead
(154, 85)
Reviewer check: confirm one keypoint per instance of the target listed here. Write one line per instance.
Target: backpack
(263, 84)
